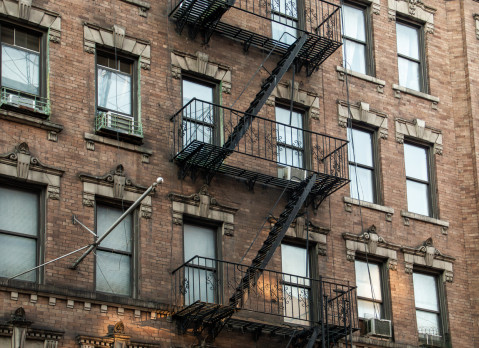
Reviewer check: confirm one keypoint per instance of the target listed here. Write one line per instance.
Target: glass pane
(113, 273)
(195, 90)
(120, 238)
(428, 323)
(294, 261)
(296, 304)
(417, 198)
(415, 158)
(19, 211)
(285, 7)
(290, 157)
(369, 309)
(200, 241)
(17, 255)
(354, 25)
(285, 25)
(363, 148)
(195, 131)
(354, 56)
(201, 285)
(365, 181)
(408, 73)
(114, 90)
(407, 41)
(7, 35)
(425, 291)
(20, 69)
(368, 287)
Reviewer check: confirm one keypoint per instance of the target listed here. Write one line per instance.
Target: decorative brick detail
(308, 99)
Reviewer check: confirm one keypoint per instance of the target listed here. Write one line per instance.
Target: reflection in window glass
(114, 90)
(361, 165)
(285, 20)
(369, 290)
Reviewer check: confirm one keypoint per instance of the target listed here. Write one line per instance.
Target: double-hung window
(370, 293)
(411, 66)
(289, 137)
(116, 94)
(296, 284)
(416, 160)
(23, 69)
(361, 165)
(114, 255)
(356, 39)
(201, 274)
(198, 115)
(428, 313)
(285, 20)
(19, 232)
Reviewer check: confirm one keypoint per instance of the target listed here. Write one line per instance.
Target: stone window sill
(408, 215)
(400, 89)
(91, 139)
(380, 83)
(348, 202)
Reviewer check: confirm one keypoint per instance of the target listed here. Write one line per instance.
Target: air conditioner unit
(290, 173)
(119, 122)
(21, 101)
(430, 340)
(379, 327)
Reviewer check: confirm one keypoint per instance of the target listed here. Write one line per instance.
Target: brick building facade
(98, 101)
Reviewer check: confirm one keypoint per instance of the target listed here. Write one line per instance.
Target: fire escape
(211, 139)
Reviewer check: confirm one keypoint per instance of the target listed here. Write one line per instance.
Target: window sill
(380, 83)
(19, 117)
(91, 139)
(398, 89)
(348, 202)
(408, 215)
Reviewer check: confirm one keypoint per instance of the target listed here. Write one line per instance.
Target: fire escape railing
(205, 125)
(283, 298)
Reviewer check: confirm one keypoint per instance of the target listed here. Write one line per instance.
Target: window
(201, 275)
(198, 116)
(361, 165)
(116, 94)
(357, 51)
(289, 137)
(416, 159)
(428, 314)
(411, 66)
(114, 261)
(370, 294)
(285, 20)
(296, 284)
(19, 232)
(23, 69)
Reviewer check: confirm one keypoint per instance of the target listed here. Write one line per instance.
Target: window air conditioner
(379, 327)
(290, 173)
(429, 340)
(20, 101)
(119, 122)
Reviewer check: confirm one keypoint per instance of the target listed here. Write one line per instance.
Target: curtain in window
(290, 143)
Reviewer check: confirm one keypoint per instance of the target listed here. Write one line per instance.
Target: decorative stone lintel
(116, 37)
(33, 298)
(361, 112)
(375, 81)
(201, 64)
(416, 9)
(349, 202)
(398, 89)
(87, 306)
(286, 90)
(417, 129)
(442, 223)
(52, 301)
(14, 296)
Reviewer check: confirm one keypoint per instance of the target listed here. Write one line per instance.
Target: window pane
(19, 211)
(194, 131)
(369, 309)
(290, 157)
(17, 254)
(289, 27)
(8, 35)
(114, 91)
(365, 180)
(286, 7)
(363, 148)
(296, 304)
(415, 158)
(20, 70)
(355, 56)
(417, 198)
(200, 241)
(202, 285)
(428, 323)
(408, 73)
(425, 291)
(407, 41)
(120, 238)
(292, 153)
(112, 272)
(354, 25)
(195, 90)
(370, 288)
(294, 261)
